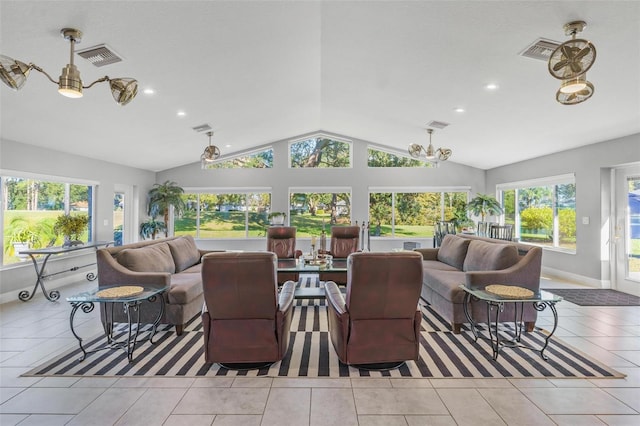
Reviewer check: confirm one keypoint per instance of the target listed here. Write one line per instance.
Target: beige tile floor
(35, 331)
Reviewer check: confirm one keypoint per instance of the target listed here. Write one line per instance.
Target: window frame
(349, 142)
(554, 181)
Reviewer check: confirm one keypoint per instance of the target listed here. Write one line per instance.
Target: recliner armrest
(335, 297)
(285, 299)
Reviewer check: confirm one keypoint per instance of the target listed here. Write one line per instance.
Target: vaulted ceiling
(264, 71)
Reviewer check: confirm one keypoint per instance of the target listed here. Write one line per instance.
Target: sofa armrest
(525, 273)
(428, 253)
(285, 300)
(111, 273)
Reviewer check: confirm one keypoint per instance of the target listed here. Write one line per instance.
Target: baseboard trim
(580, 279)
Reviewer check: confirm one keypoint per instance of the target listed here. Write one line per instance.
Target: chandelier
(211, 153)
(431, 155)
(14, 74)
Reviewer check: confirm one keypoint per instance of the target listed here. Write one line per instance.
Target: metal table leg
(540, 306)
(472, 323)
(52, 296)
(87, 307)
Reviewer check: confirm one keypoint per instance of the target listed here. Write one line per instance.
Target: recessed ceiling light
(181, 114)
(148, 91)
(458, 109)
(491, 86)
(227, 146)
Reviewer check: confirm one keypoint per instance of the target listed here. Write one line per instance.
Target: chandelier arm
(37, 68)
(100, 80)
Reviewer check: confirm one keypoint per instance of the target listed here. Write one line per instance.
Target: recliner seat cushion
(483, 256)
(453, 251)
(184, 252)
(154, 258)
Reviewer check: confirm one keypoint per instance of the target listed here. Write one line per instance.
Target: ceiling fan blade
(576, 67)
(571, 97)
(560, 64)
(567, 51)
(581, 54)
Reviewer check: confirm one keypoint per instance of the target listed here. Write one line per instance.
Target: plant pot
(18, 247)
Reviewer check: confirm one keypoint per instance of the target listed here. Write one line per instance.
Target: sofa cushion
(453, 251)
(184, 252)
(446, 283)
(483, 256)
(184, 288)
(153, 258)
(436, 264)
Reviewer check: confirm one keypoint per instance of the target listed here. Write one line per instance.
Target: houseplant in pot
(484, 205)
(151, 227)
(161, 198)
(23, 234)
(71, 227)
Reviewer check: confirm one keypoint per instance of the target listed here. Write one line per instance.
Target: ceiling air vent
(202, 128)
(540, 49)
(437, 124)
(100, 55)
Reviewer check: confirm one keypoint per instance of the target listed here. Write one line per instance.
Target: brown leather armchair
(245, 321)
(281, 240)
(344, 241)
(379, 322)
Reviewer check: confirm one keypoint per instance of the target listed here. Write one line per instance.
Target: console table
(47, 253)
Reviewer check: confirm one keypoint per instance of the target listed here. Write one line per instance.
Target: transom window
(254, 160)
(320, 152)
(379, 158)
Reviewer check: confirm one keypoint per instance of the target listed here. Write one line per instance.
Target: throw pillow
(153, 258)
(453, 250)
(483, 256)
(184, 251)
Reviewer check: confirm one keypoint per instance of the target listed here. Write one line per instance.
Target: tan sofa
(171, 262)
(478, 262)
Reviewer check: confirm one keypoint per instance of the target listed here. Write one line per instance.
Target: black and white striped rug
(442, 354)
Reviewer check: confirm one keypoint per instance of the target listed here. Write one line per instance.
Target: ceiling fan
(570, 62)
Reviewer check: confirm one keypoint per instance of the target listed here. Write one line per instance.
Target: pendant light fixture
(211, 153)
(14, 74)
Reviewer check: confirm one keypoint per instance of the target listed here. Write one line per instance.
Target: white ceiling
(264, 71)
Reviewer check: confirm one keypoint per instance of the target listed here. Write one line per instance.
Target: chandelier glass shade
(431, 154)
(210, 155)
(14, 74)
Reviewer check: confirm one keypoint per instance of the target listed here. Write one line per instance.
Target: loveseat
(478, 262)
(171, 262)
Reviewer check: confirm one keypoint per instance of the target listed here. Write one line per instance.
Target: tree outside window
(320, 152)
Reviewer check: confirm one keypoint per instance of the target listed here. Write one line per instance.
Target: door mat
(596, 297)
(442, 354)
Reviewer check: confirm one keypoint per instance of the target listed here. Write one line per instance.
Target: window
(30, 208)
(224, 214)
(257, 160)
(397, 213)
(378, 158)
(320, 152)
(543, 211)
(313, 210)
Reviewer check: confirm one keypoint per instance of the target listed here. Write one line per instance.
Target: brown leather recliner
(344, 241)
(379, 322)
(244, 319)
(281, 240)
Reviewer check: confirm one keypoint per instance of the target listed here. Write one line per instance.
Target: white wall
(591, 165)
(20, 157)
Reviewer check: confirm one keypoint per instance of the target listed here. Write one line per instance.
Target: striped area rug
(442, 354)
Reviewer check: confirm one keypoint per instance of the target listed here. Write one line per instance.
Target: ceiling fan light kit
(431, 155)
(211, 153)
(14, 74)
(570, 62)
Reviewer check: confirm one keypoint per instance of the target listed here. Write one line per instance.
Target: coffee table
(296, 265)
(87, 300)
(540, 301)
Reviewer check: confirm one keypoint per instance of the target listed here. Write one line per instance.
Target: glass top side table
(87, 300)
(540, 300)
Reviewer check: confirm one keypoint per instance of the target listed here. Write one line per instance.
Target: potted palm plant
(151, 227)
(161, 198)
(484, 205)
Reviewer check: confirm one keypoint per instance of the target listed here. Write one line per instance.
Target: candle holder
(313, 251)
